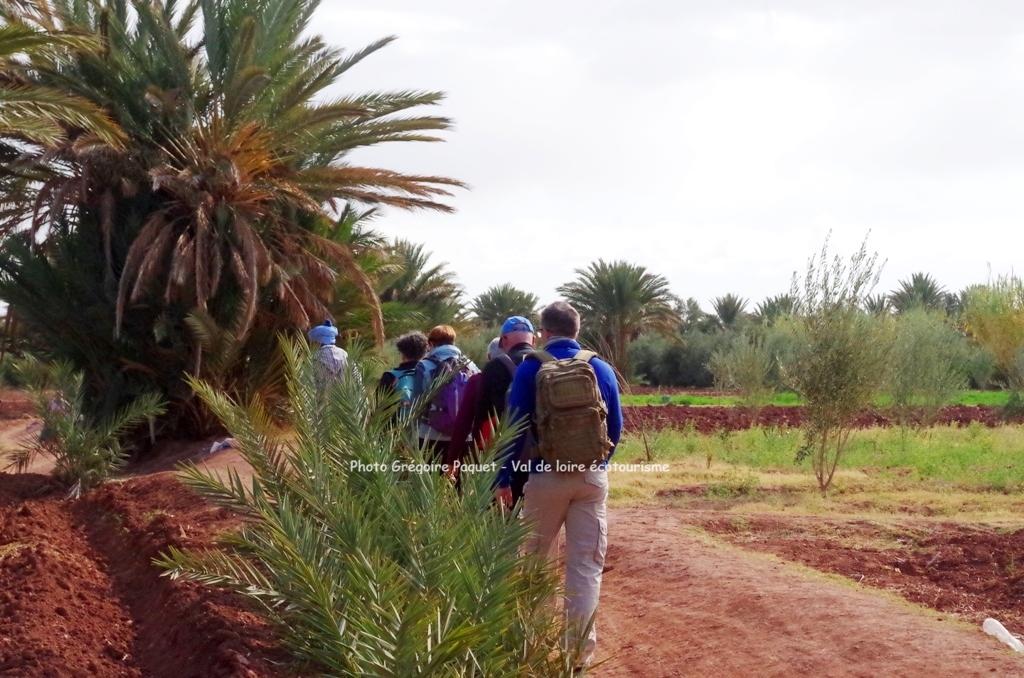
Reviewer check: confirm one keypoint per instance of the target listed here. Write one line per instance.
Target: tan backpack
(572, 417)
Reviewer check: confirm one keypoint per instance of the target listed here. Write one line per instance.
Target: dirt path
(677, 605)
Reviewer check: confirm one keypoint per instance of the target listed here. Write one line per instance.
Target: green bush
(926, 367)
(680, 361)
(746, 365)
(365, 567)
(85, 451)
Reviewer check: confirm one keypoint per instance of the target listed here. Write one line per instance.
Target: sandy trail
(675, 604)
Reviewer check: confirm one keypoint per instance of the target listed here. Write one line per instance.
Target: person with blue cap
(331, 360)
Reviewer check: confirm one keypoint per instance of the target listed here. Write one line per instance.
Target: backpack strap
(542, 356)
(585, 356)
(510, 365)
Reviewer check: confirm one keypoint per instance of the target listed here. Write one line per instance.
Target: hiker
(514, 344)
(331, 360)
(467, 430)
(401, 380)
(571, 398)
(444, 360)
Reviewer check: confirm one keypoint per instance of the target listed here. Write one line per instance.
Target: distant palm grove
(176, 192)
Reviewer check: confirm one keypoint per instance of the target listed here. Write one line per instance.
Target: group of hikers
(565, 403)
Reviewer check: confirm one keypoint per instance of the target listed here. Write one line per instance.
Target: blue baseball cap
(517, 323)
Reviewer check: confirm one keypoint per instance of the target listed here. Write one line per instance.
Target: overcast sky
(716, 143)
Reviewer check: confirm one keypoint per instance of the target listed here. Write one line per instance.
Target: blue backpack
(405, 382)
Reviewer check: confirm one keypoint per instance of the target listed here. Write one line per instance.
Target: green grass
(787, 399)
(972, 458)
(948, 473)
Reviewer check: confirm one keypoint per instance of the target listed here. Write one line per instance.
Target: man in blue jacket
(577, 499)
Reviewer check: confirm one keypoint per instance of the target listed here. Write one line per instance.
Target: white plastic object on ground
(993, 628)
(219, 445)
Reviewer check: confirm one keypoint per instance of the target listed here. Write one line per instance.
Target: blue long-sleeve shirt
(522, 400)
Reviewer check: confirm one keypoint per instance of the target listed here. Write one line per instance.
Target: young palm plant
(85, 452)
(367, 565)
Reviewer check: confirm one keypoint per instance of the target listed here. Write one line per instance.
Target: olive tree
(745, 364)
(838, 353)
(928, 365)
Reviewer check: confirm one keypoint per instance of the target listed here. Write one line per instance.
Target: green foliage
(926, 367)
(972, 458)
(38, 114)
(618, 302)
(877, 304)
(745, 365)
(474, 344)
(219, 199)
(682, 361)
(501, 301)
(692, 317)
(994, 317)
(839, 353)
(85, 451)
(372, 570)
(427, 290)
(729, 310)
(921, 292)
(774, 308)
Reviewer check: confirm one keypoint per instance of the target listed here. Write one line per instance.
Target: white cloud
(716, 143)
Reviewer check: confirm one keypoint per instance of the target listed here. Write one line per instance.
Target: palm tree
(233, 166)
(877, 304)
(921, 291)
(773, 308)
(618, 301)
(729, 310)
(430, 290)
(501, 301)
(38, 114)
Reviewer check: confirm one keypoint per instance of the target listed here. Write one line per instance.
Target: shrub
(994, 316)
(746, 365)
(678, 361)
(368, 568)
(980, 366)
(926, 365)
(85, 451)
(839, 354)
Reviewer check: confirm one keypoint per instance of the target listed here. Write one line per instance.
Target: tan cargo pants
(579, 501)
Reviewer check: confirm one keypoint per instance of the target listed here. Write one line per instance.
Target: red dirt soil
(676, 605)
(79, 595)
(970, 570)
(709, 419)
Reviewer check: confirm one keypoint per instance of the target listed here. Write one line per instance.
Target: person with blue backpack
(443, 374)
(402, 379)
